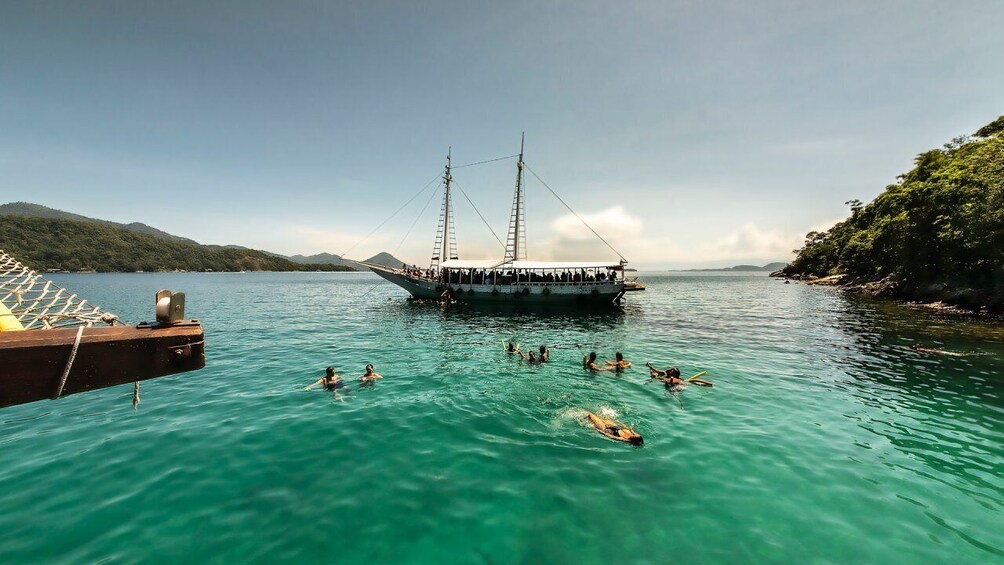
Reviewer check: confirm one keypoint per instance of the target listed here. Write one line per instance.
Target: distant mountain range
(50, 239)
(769, 267)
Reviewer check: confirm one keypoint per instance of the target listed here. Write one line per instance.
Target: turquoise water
(825, 439)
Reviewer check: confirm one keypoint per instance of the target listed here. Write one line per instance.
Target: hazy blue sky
(692, 133)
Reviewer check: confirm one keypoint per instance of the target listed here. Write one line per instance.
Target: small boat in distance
(511, 278)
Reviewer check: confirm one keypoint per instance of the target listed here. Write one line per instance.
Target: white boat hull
(602, 292)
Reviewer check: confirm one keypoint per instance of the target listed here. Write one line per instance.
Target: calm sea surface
(826, 439)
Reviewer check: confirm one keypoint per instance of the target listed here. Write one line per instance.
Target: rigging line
(391, 217)
(464, 192)
(573, 211)
(488, 161)
(417, 218)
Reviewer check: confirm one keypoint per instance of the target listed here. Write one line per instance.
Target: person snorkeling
(370, 376)
(916, 347)
(620, 364)
(614, 429)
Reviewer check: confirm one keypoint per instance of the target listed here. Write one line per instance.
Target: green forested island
(71, 245)
(935, 235)
(49, 239)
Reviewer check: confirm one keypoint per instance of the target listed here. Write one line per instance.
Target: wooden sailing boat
(512, 277)
(52, 343)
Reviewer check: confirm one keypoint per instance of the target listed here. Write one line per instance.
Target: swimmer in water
(589, 363)
(670, 376)
(330, 381)
(530, 358)
(370, 376)
(511, 348)
(620, 364)
(545, 355)
(919, 349)
(614, 429)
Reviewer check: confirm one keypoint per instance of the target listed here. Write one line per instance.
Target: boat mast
(516, 241)
(445, 247)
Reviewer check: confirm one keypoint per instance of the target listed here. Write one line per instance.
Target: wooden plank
(32, 362)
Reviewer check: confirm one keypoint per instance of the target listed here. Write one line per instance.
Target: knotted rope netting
(38, 303)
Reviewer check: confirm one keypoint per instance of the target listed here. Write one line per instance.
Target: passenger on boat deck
(590, 363)
(531, 358)
(330, 381)
(670, 376)
(370, 375)
(545, 355)
(620, 364)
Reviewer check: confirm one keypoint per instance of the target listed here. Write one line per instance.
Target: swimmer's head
(329, 372)
(673, 372)
(369, 368)
(619, 356)
(592, 356)
(543, 349)
(636, 440)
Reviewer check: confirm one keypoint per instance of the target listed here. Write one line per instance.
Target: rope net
(36, 303)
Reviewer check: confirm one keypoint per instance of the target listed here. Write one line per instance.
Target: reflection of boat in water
(511, 278)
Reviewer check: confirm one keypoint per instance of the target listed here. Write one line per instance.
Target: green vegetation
(38, 211)
(936, 234)
(46, 243)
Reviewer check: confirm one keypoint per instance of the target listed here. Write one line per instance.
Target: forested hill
(38, 211)
(937, 234)
(45, 243)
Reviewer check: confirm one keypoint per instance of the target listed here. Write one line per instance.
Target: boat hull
(552, 293)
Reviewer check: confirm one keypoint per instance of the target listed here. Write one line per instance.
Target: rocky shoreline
(935, 296)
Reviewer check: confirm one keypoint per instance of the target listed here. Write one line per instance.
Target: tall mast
(516, 244)
(445, 247)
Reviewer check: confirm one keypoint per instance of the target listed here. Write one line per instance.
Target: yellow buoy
(9, 322)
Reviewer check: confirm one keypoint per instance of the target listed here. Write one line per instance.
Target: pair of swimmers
(618, 365)
(333, 382)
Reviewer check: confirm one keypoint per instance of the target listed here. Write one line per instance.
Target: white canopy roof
(529, 265)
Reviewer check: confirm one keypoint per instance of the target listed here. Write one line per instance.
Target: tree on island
(940, 226)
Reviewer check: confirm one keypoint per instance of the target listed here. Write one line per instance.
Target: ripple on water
(825, 438)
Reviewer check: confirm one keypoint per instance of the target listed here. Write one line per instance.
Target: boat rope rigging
(391, 217)
(417, 218)
(469, 201)
(416, 195)
(487, 161)
(565, 204)
(400, 243)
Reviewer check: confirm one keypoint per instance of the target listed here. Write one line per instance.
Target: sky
(687, 133)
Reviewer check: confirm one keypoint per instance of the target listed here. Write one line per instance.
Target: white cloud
(750, 242)
(572, 240)
(625, 232)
